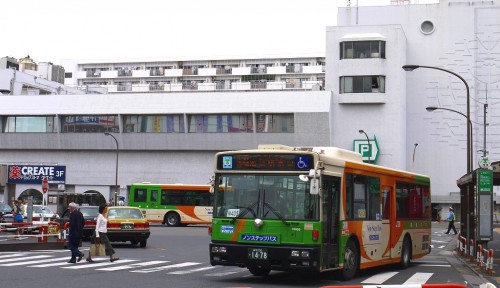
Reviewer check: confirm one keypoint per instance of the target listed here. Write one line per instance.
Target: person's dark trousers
(73, 246)
(451, 225)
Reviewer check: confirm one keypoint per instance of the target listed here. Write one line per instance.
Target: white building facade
(460, 36)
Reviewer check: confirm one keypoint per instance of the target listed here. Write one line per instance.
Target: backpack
(18, 210)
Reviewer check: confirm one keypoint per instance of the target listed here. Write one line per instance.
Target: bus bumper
(282, 258)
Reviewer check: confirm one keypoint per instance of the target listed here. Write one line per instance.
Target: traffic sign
(369, 152)
(45, 185)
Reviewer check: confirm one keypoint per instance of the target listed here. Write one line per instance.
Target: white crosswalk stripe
(182, 272)
(418, 278)
(379, 278)
(34, 261)
(167, 267)
(23, 258)
(131, 266)
(12, 255)
(99, 264)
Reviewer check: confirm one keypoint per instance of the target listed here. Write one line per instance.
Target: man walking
(451, 222)
(76, 223)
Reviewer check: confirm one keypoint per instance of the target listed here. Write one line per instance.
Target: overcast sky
(51, 30)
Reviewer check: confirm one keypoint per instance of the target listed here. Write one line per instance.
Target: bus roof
(174, 186)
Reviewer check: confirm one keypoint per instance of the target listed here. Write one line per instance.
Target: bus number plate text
(257, 253)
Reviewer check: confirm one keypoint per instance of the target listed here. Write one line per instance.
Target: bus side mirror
(314, 186)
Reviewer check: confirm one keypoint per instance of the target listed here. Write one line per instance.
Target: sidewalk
(478, 276)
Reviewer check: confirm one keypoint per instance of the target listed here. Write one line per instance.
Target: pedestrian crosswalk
(51, 259)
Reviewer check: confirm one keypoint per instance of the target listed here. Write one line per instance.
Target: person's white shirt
(101, 225)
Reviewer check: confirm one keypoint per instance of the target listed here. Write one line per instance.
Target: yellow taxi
(127, 223)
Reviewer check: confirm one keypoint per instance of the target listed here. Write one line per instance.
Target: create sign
(34, 174)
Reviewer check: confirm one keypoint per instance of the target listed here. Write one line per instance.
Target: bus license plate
(257, 253)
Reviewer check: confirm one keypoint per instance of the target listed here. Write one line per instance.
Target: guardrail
(43, 231)
(485, 259)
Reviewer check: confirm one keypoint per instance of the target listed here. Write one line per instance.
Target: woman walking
(101, 231)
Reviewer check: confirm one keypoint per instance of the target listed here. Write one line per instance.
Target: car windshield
(283, 197)
(125, 213)
(38, 209)
(89, 211)
(5, 208)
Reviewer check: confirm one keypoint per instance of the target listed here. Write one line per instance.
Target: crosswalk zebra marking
(12, 255)
(380, 278)
(24, 258)
(99, 264)
(226, 273)
(182, 272)
(167, 267)
(34, 261)
(418, 278)
(131, 266)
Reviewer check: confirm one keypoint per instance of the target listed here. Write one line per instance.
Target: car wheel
(257, 271)
(173, 219)
(351, 261)
(143, 243)
(406, 253)
(135, 242)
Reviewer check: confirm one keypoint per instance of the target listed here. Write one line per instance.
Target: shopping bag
(97, 250)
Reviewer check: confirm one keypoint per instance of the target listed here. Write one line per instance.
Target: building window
(362, 84)
(275, 123)
(154, 124)
(362, 49)
(90, 124)
(68, 75)
(221, 123)
(20, 124)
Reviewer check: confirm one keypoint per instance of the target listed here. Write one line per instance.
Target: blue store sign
(34, 174)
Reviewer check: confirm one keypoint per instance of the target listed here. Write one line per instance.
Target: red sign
(45, 185)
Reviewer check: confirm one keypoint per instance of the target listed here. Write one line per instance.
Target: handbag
(97, 250)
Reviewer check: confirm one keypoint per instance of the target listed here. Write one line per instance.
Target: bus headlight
(295, 253)
(304, 254)
(221, 249)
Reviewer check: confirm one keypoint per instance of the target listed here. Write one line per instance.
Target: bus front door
(330, 219)
(386, 220)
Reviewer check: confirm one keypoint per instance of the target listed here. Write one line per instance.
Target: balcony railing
(259, 70)
(124, 73)
(124, 88)
(156, 72)
(190, 71)
(93, 73)
(223, 71)
(155, 87)
(258, 85)
(294, 69)
(190, 86)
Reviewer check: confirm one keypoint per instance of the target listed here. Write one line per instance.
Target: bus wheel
(351, 261)
(257, 271)
(406, 253)
(173, 219)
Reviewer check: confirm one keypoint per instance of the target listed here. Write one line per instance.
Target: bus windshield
(283, 197)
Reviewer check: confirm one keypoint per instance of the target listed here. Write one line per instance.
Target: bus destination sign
(285, 162)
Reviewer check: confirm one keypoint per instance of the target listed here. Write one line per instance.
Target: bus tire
(143, 243)
(405, 253)
(351, 261)
(258, 271)
(172, 219)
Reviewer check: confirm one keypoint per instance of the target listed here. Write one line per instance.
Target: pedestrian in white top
(101, 232)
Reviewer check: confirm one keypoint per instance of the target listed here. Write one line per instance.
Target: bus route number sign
(285, 162)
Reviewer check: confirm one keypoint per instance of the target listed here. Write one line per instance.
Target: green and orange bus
(173, 204)
(315, 209)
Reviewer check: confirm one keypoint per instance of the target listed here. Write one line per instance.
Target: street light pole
(369, 145)
(116, 168)
(414, 149)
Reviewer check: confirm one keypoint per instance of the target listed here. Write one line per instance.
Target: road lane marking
(418, 278)
(85, 265)
(167, 267)
(131, 266)
(182, 272)
(35, 261)
(13, 255)
(379, 278)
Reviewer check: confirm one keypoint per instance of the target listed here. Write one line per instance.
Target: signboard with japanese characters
(34, 174)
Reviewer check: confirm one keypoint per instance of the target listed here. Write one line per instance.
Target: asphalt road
(178, 257)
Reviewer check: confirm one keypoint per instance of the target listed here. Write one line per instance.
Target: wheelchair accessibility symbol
(302, 162)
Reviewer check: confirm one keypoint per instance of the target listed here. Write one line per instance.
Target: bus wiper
(244, 211)
(275, 212)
